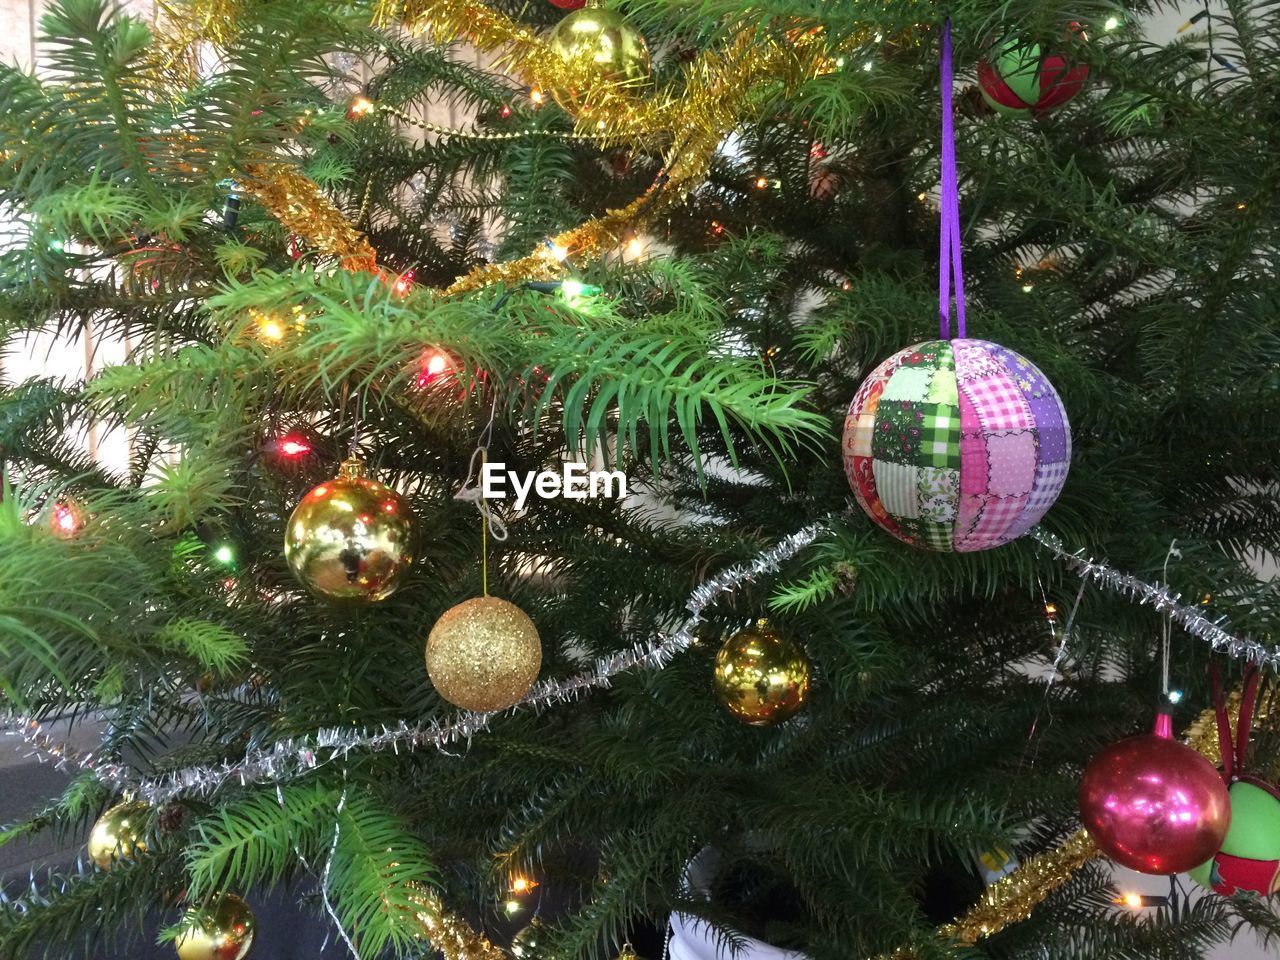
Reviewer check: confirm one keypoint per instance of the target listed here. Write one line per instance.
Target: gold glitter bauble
(483, 654)
(224, 932)
(348, 539)
(119, 834)
(761, 677)
(599, 45)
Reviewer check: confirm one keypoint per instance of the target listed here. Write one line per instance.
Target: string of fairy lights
(362, 106)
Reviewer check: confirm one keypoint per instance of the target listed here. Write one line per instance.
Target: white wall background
(40, 356)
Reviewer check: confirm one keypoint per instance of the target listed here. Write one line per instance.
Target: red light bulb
(434, 364)
(403, 283)
(291, 445)
(65, 519)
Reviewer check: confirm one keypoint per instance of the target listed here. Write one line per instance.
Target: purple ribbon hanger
(950, 268)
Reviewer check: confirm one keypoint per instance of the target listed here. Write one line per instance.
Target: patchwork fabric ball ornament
(1019, 80)
(956, 445)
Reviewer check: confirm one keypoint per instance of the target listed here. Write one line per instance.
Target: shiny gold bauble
(223, 932)
(348, 539)
(761, 677)
(483, 654)
(600, 46)
(119, 834)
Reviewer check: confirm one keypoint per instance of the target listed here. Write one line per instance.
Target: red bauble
(569, 4)
(1154, 805)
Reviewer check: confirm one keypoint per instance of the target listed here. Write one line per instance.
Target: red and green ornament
(1250, 856)
(1019, 79)
(1249, 859)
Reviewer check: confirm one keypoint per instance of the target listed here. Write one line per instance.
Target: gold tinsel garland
(451, 935)
(302, 208)
(181, 30)
(717, 85)
(519, 48)
(590, 239)
(1012, 898)
(1008, 900)
(718, 88)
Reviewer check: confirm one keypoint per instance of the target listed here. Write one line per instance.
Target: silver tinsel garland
(288, 758)
(1191, 619)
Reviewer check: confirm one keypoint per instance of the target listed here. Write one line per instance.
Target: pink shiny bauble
(1154, 805)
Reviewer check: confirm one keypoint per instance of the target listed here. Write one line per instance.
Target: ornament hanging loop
(950, 266)
(1166, 624)
(1235, 751)
(472, 491)
(356, 416)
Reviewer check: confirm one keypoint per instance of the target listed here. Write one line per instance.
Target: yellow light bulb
(269, 328)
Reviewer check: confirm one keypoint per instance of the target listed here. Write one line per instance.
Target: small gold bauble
(600, 46)
(483, 654)
(348, 538)
(224, 932)
(761, 677)
(119, 834)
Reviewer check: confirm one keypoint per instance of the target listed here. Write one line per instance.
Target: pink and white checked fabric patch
(999, 402)
(995, 518)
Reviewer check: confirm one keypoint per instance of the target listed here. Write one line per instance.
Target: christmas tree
(553, 395)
